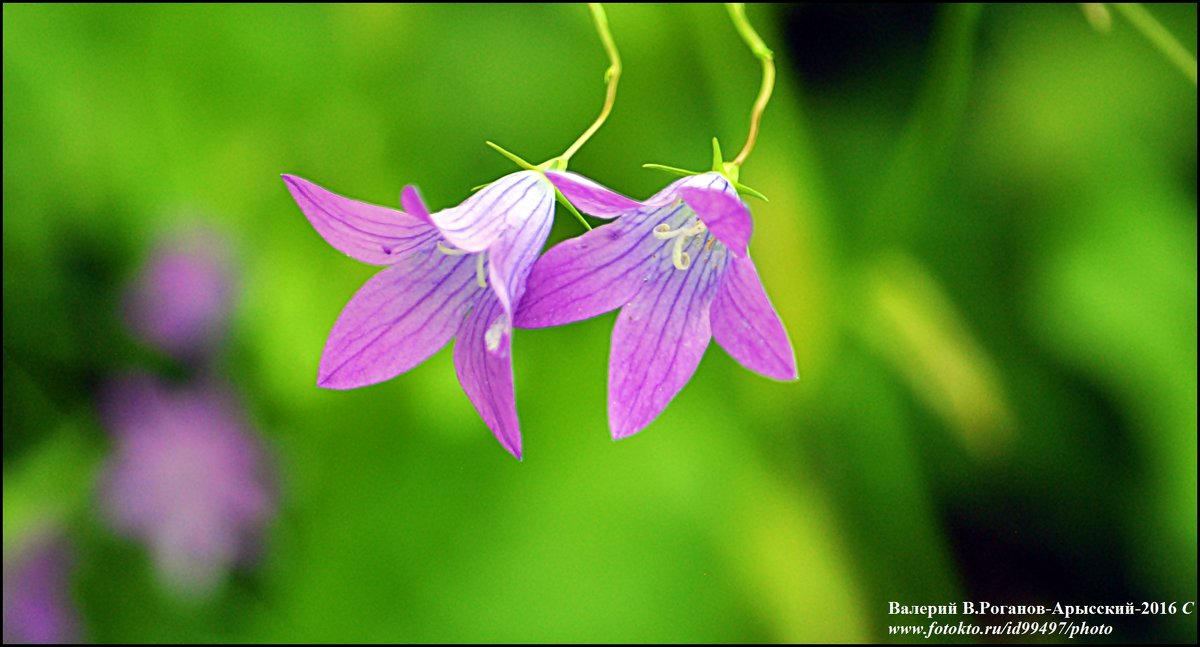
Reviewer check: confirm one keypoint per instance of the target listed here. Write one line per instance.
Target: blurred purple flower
(435, 286)
(37, 604)
(678, 266)
(187, 477)
(181, 298)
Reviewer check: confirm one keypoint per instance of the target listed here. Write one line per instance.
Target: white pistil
(480, 275)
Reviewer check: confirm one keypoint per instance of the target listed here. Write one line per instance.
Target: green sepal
(742, 188)
(553, 164)
(727, 169)
(673, 170)
(562, 199)
(718, 160)
(512, 156)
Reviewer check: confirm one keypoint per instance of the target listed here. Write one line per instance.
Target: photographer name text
(1058, 609)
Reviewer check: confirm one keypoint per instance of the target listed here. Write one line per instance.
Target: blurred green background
(981, 237)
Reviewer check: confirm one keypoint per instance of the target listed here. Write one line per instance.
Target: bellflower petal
(679, 268)
(590, 197)
(410, 199)
(460, 271)
(514, 252)
(365, 232)
(745, 324)
(483, 361)
(657, 344)
(476, 223)
(591, 274)
(398, 319)
(724, 214)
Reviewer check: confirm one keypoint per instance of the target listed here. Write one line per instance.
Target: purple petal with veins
(513, 253)
(365, 232)
(599, 271)
(410, 199)
(725, 216)
(746, 325)
(590, 197)
(476, 223)
(666, 262)
(483, 361)
(398, 319)
(462, 272)
(658, 341)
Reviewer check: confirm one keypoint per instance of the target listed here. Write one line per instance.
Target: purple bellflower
(188, 478)
(679, 268)
(181, 299)
(459, 272)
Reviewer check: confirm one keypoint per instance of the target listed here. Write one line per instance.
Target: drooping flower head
(37, 601)
(181, 299)
(459, 272)
(678, 266)
(187, 477)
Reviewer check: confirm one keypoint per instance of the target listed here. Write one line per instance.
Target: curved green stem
(611, 76)
(737, 13)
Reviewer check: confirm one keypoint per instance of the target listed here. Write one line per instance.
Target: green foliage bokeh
(981, 238)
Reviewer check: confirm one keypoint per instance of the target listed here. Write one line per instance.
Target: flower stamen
(681, 259)
(480, 275)
(663, 232)
(449, 251)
